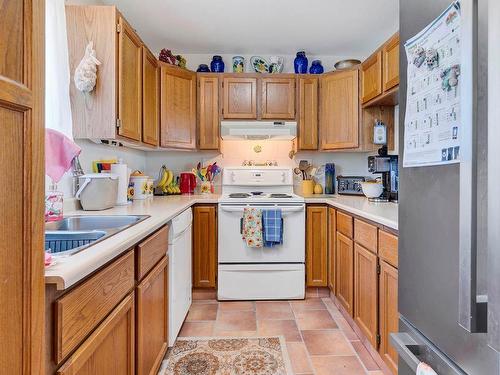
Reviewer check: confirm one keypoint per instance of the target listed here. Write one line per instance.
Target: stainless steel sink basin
(76, 233)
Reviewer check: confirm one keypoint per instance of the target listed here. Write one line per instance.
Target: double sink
(76, 233)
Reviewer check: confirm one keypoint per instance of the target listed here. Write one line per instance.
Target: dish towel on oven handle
(272, 222)
(251, 228)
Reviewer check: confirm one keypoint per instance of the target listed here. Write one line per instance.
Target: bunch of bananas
(166, 183)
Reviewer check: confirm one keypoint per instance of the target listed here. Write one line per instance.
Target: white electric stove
(247, 273)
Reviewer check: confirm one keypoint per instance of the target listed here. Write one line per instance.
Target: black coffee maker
(387, 166)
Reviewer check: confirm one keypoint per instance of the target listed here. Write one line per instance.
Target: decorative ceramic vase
(300, 63)
(217, 65)
(203, 68)
(276, 64)
(238, 64)
(316, 67)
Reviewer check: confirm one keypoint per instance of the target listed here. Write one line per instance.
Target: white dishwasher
(179, 272)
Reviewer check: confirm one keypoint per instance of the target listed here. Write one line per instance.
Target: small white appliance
(246, 273)
(179, 272)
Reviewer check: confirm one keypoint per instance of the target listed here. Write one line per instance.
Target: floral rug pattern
(227, 356)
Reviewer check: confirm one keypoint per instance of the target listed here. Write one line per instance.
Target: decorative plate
(260, 65)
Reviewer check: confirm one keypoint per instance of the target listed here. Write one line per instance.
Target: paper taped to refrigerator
(432, 120)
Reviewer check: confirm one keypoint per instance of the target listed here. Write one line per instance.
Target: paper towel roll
(123, 174)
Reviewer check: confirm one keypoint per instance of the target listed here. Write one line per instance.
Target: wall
(194, 60)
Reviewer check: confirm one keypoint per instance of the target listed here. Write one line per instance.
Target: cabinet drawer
(388, 247)
(366, 235)
(150, 251)
(81, 310)
(344, 224)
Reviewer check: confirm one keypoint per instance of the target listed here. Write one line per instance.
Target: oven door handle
(283, 209)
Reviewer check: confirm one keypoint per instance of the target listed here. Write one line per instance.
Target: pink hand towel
(59, 153)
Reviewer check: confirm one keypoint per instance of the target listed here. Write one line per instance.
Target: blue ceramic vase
(316, 67)
(300, 63)
(203, 68)
(217, 65)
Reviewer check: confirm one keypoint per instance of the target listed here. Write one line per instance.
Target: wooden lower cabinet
(110, 348)
(332, 235)
(316, 246)
(151, 319)
(344, 272)
(365, 292)
(388, 312)
(205, 246)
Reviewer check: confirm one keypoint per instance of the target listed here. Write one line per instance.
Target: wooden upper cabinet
(307, 108)
(389, 316)
(150, 98)
(278, 98)
(332, 239)
(208, 112)
(129, 82)
(178, 108)
(204, 246)
(316, 246)
(22, 135)
(390, 58)
(365, 293)
(371, 77)
(152, 319)
(344, 272)
(339, 111)
(110, 348)
(240, 98)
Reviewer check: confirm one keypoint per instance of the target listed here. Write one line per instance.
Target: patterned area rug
(227, 356)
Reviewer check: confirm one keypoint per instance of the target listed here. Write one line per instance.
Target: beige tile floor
(319, 339)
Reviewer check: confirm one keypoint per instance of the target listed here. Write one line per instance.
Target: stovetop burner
(239, 195)
(279, 195)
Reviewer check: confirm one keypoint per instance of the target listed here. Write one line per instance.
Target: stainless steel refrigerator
(449, 215)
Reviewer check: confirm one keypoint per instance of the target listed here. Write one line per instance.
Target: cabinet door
(204, 246)
(278, 98)
(129, 82)
(240, 98)
(317, 246)
(22, 135)
(308, 113)
(365, 292)
(344, 271)
(178, 108)
(150, 98)
(208, 113)
(332, 236)
(152, 318)
(109, 349)
(339, 125)
(389, 316)
(371, 77)
(390, 60)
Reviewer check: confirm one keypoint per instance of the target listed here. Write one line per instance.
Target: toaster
(350, 185)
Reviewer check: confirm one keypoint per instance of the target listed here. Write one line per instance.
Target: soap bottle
(54, 204)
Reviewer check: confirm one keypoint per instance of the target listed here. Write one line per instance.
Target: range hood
(258, 130)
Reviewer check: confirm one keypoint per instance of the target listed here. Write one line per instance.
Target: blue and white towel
(272, 224)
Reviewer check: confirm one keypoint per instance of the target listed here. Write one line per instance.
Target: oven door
(233, 249)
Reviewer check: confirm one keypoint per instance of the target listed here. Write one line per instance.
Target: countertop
(70, 270)
(382, 213)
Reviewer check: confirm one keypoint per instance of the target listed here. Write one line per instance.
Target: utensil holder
(307, 187)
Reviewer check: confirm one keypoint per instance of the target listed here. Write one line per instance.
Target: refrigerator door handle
(472, 308)
(405, 345)
(414, 348)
